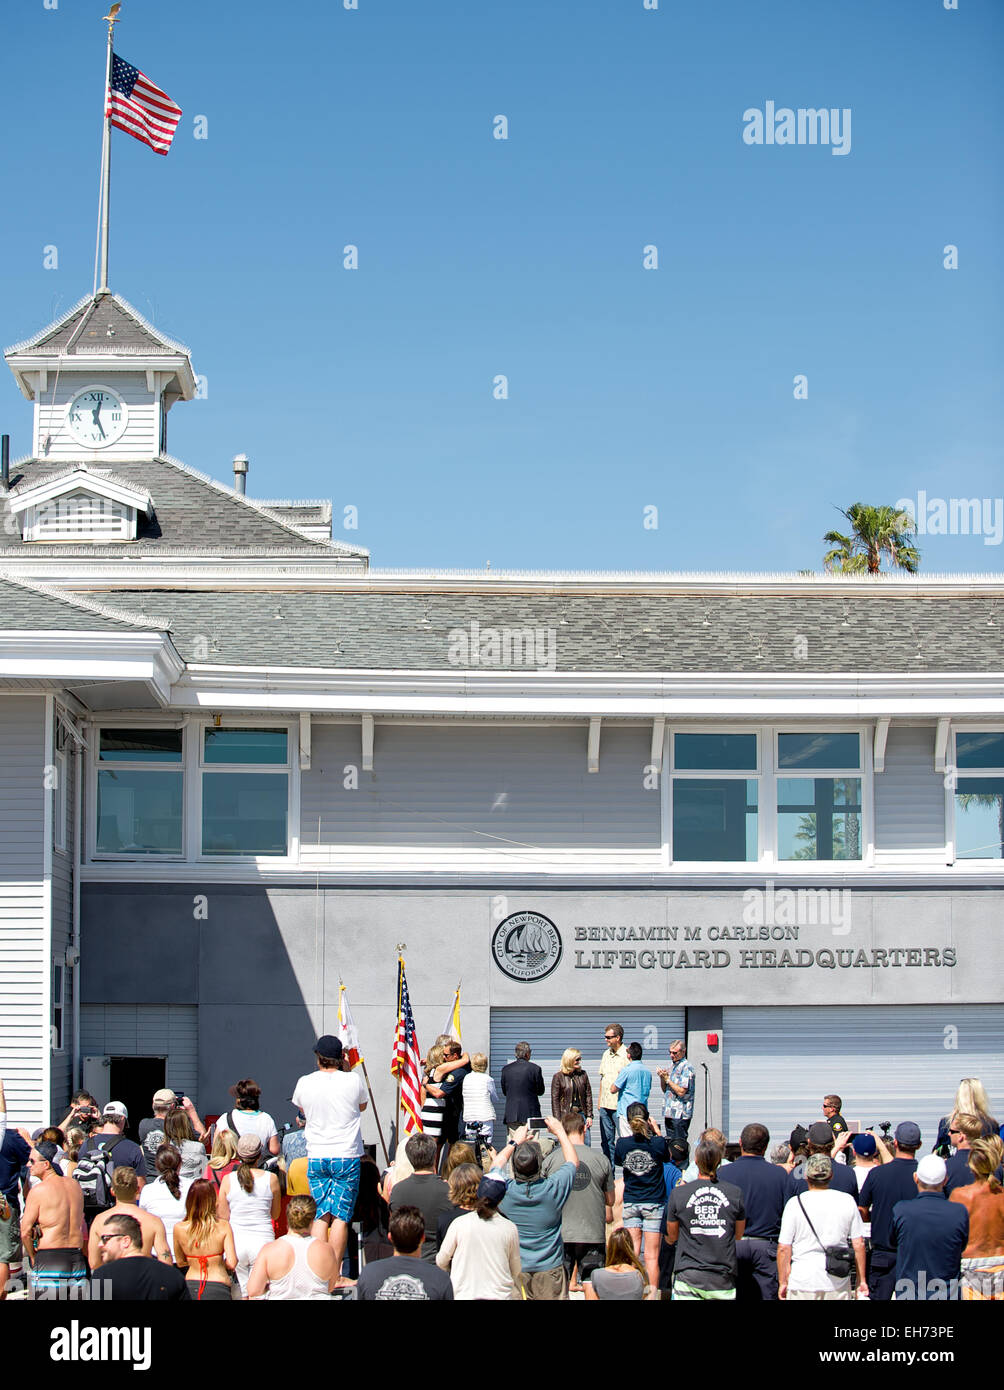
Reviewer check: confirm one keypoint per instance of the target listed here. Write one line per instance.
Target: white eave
(79, 479)
(89, 658)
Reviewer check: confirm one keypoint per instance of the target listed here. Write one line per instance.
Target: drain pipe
(74, 952)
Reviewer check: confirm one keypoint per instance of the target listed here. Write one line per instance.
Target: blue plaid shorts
(334, 1185)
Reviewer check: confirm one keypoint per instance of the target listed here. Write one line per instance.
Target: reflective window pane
(979, 749)
(139, 812)
(714, 752)
(819, 818)
(247, 746)
(715, 819)
(140, 746)
(819, 750)
(979, 818)
(244, 813)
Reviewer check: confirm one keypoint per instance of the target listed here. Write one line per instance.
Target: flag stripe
(139, 107)
(407, 1061)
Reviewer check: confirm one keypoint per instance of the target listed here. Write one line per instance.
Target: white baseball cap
(931, 1171)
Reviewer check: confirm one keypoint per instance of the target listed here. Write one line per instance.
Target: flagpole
(106, 152)
(383, 1142)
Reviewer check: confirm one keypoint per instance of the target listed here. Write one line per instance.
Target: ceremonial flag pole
(106, 152)
(406, 1064)
(349, 1038)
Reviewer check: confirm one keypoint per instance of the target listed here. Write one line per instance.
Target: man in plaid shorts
(332, 1101)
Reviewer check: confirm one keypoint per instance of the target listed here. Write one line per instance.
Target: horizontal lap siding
(24, 1011)
(146, 1030)
(139, 439)
(910, 799)
(511, 796)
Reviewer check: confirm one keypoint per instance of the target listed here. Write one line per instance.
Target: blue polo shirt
(929, 1235)
(884, 1187)
(632, 1084)
(535, 1210)
(765, 1188)
(13, 1156)
(959, 1172)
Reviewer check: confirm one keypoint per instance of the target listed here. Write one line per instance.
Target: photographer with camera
(84, 1113)
(153, 1131)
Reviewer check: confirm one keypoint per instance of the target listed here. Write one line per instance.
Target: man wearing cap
(151, 1132)
(820, 1141)
(56, 1205)
(884, 1187)
(929, 1236)
(110, 1137)
(534, 1206)
(332, 1101)
(812, 1221)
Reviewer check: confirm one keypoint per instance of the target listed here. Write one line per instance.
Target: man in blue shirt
(929, 1236)
(884, 1187)
(765, 1188)
(14, 1153)
(534, 1205)
(632, 1084)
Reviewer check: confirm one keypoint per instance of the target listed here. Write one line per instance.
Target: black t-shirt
(765, 1188)
(403, 1279)
(432, 1196)
(151, 1136)
(138, 1278)
(642, 1160)
(707, 1213)
(884, 1187)
(13, 1156)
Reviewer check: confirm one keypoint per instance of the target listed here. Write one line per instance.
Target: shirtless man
(295, 1266)
(56, 1204)
(983, 1257)
(125, 1189)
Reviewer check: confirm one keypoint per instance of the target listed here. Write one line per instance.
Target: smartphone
(179, 1097)
(538, 1124)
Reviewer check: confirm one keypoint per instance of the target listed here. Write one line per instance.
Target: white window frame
(864, 772)
(60, 1004)
(714, 775)
(950, 792)
(291, 770)
(94, 855)
(60, 798)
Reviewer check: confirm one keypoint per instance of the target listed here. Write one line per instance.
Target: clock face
(97, 417)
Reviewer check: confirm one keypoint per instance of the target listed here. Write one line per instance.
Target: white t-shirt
(837, 1220)
(331, 1101)
(156, 1198)
(249, 1122)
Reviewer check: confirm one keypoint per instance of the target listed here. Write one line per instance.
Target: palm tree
(991, 801)
(874, 531)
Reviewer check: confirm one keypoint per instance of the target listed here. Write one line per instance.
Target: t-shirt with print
(583, 1217)
(403, 1279)
(642, 1161)
(151, 1136)
(707, 1213)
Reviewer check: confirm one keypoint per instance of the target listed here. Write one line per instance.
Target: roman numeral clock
(97, 417)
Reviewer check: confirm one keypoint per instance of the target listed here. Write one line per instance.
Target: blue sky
(628, 388)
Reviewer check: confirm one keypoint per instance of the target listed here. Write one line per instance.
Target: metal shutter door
(550, 1031)
(886, 1063)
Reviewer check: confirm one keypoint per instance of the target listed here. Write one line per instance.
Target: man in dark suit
(522, 1082)
(929, 1236)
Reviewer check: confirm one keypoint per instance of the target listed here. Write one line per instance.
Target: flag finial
(112, 17)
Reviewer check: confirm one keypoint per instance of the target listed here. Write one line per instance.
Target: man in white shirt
(812, 1221)
(332, 1101)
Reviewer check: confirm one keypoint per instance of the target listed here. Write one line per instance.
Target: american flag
(407, 1063)
(139, 108)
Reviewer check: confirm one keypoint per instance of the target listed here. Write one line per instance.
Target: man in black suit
(522, 1082)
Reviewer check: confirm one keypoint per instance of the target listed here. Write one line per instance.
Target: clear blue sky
(627, 387)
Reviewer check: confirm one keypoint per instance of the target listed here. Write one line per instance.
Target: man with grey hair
(522, 1084)
(679, 1085)
(816, 1226)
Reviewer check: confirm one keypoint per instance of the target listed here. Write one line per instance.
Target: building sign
(526, 946)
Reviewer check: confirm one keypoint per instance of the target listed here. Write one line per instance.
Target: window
(56, 1041)
(140, 784)
(60, 794)
(715, 817)
(819, 816)
(245, 791)
(979, 795)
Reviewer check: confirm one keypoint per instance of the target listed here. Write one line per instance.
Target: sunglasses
(113, 1235)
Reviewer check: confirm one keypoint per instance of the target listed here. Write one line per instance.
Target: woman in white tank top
(298, 1281)
(250, 1200)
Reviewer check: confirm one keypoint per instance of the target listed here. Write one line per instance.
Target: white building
(763, 812)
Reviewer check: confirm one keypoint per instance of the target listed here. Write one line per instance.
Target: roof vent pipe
(5, 460)
(241, 473)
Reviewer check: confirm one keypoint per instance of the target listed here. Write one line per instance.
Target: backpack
(94, 1174)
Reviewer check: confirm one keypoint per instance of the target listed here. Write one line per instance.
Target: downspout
(78, 768)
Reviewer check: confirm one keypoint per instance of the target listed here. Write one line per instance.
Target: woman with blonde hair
(623, 1277)
(206, 1242)
(983, 1257)
(250, 1200)
(223, 1159)
(970, 1099)
(570, 1089)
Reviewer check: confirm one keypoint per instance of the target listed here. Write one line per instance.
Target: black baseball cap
(329, 1047)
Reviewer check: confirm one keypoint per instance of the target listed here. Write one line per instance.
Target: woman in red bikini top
(205, 1246)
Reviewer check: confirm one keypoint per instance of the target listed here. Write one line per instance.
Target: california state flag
(347, 1033)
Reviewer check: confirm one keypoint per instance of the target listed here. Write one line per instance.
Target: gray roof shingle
(112, 326)
(30, 607)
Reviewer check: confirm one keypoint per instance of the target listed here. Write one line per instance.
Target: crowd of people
(234, 1210)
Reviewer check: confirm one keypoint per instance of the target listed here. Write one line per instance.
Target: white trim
(81, 479)
(941, 743)
(881, 737)
(304, 742)
(290, 770)
(367, 737)
(593, 746)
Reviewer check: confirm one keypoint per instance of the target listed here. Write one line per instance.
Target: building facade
(764, 813)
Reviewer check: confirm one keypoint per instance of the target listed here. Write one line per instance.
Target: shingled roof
(30, 607)
(192, 515)
(898, 630)
(112, 326)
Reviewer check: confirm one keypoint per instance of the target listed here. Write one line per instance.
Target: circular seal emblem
(526, 946)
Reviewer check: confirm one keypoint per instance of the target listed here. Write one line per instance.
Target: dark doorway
(133, 1081)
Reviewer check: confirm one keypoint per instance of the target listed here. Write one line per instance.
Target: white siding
(146, 1030)
(140, 438)
(61, 1080)
(24, 910)
(465, 798)
(910, 800)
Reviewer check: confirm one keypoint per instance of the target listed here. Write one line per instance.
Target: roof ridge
(35, 339)
(101, 610)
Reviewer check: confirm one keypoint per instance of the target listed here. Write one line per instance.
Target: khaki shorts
(545, 1285)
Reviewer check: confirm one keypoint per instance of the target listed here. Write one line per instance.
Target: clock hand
(95, 413)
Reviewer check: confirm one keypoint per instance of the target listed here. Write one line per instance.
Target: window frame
(952, 787)
(290, 770)
(100, 856)
(755, 774)
(863, 772)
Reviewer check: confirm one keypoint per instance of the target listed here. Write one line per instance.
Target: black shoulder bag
(839, 1258)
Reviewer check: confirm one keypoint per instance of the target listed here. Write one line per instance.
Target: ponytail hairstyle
(248, 1152)
(168, 1165)
(637, 1117)
(488, 1195)
(985, 1157)
(246, 1093)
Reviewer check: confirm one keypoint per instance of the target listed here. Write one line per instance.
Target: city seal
(526, 946)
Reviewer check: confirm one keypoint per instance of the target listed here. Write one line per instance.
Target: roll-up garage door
(550, 1031)
(898, 1063)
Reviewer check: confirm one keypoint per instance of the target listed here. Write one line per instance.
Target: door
(133, 1081)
